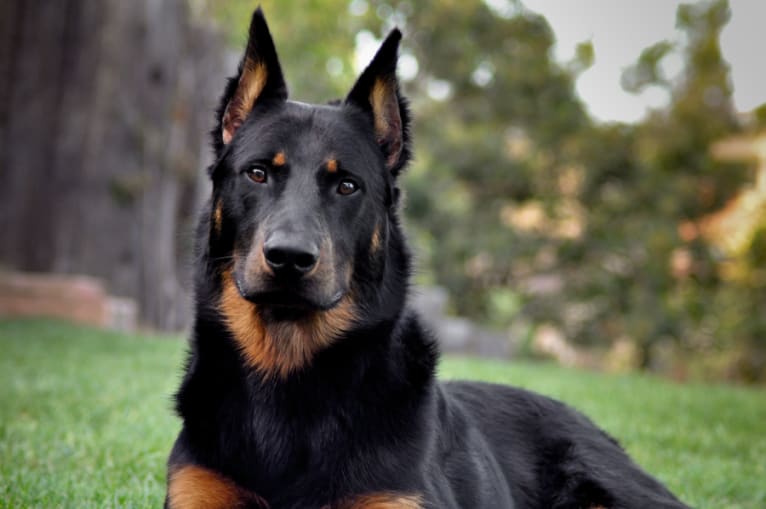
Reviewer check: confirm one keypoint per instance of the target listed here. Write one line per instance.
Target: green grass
(86, 420)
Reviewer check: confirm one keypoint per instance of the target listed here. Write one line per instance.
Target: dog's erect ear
(377, 93)
(260, 78)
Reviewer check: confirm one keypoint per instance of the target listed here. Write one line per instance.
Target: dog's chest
(277, 451)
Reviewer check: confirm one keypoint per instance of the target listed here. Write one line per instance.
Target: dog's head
(303, 197)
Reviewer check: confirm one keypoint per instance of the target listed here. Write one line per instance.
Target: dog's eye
(347, 186)
(257, 174)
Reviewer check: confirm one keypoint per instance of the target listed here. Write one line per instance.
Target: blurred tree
(661, 280)
(103, 110)
(685, 182)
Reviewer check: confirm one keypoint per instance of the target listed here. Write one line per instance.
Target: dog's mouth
(283, 303)
(285, 299)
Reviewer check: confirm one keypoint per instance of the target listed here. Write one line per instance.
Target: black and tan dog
(310, 384)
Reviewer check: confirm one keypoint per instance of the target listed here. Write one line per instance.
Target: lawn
(86, 420)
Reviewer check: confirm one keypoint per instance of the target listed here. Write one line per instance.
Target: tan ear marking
(378, 100)
(251, 83)
(388, 123)
(279, 159)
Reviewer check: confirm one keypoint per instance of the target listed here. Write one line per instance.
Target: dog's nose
(290, 254)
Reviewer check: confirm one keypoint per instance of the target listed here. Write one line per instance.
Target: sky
(621, 29)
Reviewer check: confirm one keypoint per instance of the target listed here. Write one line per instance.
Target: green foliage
(647, 70)
(680, 183)
(585, 56)
(760, 115)
(86, 420)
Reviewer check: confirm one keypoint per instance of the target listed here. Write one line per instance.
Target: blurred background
(589, 182)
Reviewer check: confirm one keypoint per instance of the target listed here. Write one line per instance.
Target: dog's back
(549, 454)
(309, 383)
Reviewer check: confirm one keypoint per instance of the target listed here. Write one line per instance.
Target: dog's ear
(259, 79)
(377, 93)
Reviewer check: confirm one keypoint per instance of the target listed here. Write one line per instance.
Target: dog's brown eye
(257, 174)
(347, 187)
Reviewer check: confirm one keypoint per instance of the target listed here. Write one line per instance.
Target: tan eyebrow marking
(279, 159)
(332, 165)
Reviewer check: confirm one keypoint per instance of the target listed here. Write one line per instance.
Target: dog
(310, 383)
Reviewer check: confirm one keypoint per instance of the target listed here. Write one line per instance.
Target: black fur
(365, 414)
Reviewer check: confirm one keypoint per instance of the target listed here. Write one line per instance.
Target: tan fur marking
(375, 241)
(332, 165)
(381, 501)
(218, 217)
(279, 159)
(193, 487)
(380, 90)
(280, 349)
(386, 112)
(250, 86)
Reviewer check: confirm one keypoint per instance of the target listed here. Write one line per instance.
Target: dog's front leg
(195, 487)
(384, 500)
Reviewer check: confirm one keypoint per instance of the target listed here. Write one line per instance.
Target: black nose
(290, 254)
